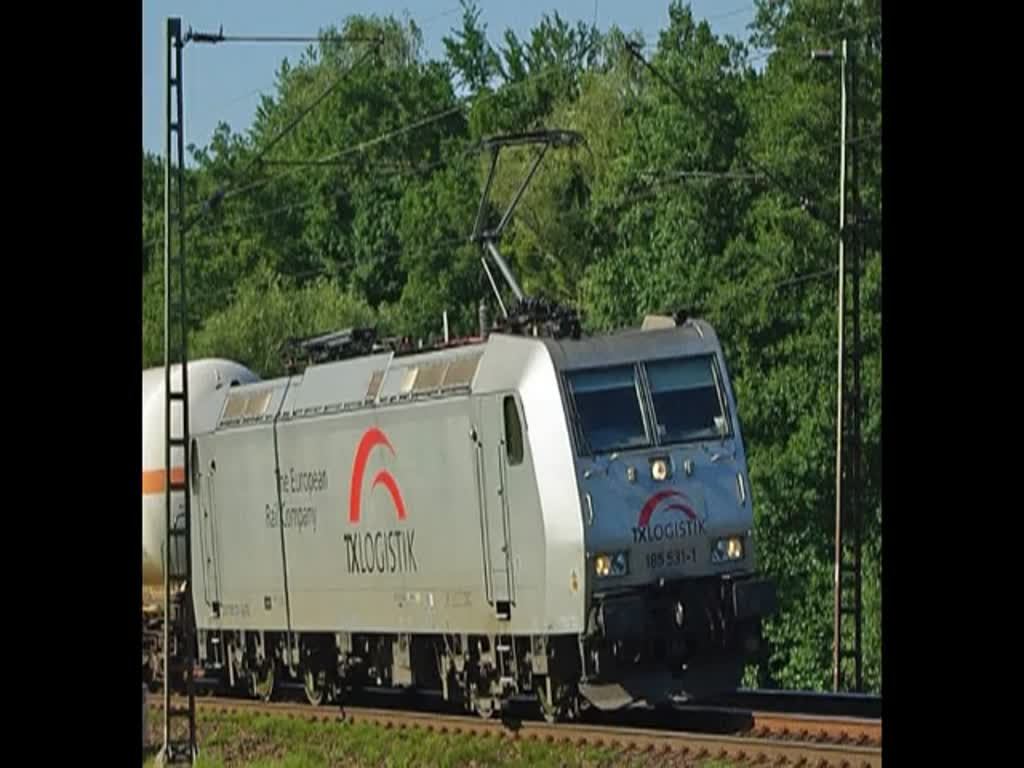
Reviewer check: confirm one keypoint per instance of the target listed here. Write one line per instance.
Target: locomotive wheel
(316, 687)
(261, 681)
(558, 703)
(547, 708)
(482, 705)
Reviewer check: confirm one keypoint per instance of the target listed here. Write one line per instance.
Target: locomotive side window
(608, 408)
(687, 399)
(194, 461)
(513, 432)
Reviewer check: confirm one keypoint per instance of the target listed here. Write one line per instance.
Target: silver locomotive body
(522, 515)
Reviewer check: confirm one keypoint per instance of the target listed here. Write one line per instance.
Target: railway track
(768, 738)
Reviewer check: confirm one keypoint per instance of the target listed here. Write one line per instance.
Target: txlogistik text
(381, 552)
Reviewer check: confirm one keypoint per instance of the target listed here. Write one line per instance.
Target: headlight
(726, 550)
(614, 564)
(659, 469)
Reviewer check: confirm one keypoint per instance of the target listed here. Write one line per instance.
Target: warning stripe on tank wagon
(155, 480)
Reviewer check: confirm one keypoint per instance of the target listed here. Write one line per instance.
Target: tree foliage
(708, 180)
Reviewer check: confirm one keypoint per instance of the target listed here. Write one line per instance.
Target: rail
(768, 738)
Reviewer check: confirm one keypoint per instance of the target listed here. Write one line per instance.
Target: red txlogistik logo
(370, 440)
(684, 506)
(690, 525)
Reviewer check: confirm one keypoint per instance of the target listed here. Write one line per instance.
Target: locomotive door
(207, 535)
(492, 475)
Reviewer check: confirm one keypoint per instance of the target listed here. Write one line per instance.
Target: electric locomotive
(564, 518)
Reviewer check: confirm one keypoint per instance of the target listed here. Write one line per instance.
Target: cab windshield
(614, 413)
(687, 400)
(608, 409)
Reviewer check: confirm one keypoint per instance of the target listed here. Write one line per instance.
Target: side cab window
(513, 431)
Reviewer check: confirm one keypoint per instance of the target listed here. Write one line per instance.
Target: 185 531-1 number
(671, 558)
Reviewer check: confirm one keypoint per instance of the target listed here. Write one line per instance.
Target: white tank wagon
(569, 519)
(204, 377)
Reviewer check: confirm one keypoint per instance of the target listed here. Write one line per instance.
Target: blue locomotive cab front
(675, 605)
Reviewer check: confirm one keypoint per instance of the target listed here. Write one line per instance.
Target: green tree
(782, 339)
(268, 310)
(471, 57)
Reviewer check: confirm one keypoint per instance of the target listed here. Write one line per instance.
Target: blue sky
(223, 82)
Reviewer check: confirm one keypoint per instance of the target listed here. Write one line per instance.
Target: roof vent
(655, 322)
